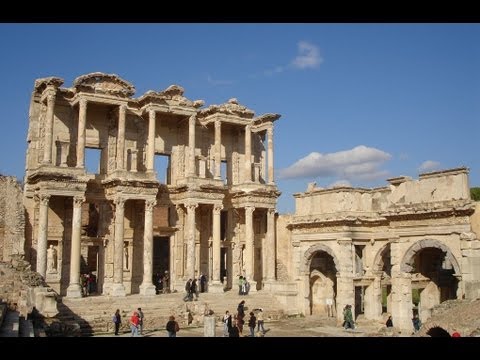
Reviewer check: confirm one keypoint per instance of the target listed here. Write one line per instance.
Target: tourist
(203, 283)
(172, 327)
(188, 287)
(252, 322)
(140, 321)
(226, 319)
(134, 319)
(117, 320)
(193, 289)
(166, 283)
(389, 322)
(348, 317)
(456, 333)
(260, 320)
(416, 322)
(240, 285)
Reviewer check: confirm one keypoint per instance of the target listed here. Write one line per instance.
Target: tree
(475, 193)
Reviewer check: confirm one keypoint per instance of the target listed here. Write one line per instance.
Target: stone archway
(382, 270)
(435, 275)
(320, 267)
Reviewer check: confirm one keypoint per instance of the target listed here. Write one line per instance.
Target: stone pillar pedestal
(190, 268)
(249, 248)
(147, 287)
(74, 289)
(402, 312)
(373, 300)
(215, 287)
(118, 289)
(209, 326)
(345, 295)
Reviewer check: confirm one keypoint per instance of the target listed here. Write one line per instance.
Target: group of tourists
(243, 286)
(89, 283)
(162, 283)
(233, 327)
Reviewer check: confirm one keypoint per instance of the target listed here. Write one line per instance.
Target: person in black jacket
(172, 327)
(117, 320)
(252, 322)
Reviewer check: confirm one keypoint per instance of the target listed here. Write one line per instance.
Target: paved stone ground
(311, 326)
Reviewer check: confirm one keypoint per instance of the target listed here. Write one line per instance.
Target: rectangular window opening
(93, 157)
(162, 168)
(223, 171)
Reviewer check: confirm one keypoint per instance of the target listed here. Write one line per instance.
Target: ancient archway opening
(385, 268)
(323, 284)
(433, 281)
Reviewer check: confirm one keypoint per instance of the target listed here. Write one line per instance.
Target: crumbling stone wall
(12, 218)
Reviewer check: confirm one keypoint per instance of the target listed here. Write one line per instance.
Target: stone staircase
(94, 314)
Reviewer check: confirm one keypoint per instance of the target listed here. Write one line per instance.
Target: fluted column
(151, 141)
(248, 154)
(249, 247)
(191, 145)
(42, 235)
(121, 137)
(216, 285)
(270, 246)
(218, 149)
(147, 287)
(271, 180)
(190, 269)
(118, 288)
(47, 150)
(74, 289)
(82, 120)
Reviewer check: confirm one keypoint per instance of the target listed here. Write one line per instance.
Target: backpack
(114, 319)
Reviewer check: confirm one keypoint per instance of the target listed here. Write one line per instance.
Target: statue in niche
(125, 256)
(51, 260)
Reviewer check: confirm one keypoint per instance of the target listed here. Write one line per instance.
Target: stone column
(218, 149)
(373, 300)
(42, 235)
(47, 150)
(121, 137)
(147, 287)
(74, 289)
(82, 120)
(118, 288)
(190, 268)
(270, 246)
(249, 247)
(345, 289)
(271, 180)
(216, 285)
(191, 145)
(151, 141)
(248, 154)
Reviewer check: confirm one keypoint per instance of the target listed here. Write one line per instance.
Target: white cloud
(359, 163)
(308, 56)
(429, 165)
(215, 82)
(340, 183)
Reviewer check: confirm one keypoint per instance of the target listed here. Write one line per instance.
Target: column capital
(217, 208)
(249, 210)
(43, 198)
(271, 211)
(270, 130)
(191, 206)
(150, 204)
(218, 124)
(78, 200)
(122, 108)
(51, 95)
(248, 127)
(119, 201)
(152, 113)
(192, 118)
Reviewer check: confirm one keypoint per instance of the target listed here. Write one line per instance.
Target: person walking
(172, 327)
(188, 287)
(134, 319)
(416, 323)
(140, 321)
(260, 320)
(194, 289)
(226, 318)
(117, 320)
(252, 322)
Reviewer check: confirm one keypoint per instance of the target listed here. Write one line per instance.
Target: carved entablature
(101, 83)
(262, 122)
(232, 107)
(42, 84)
(173, 95)
(431, 210)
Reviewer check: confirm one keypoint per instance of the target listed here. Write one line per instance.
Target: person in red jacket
(134, 323)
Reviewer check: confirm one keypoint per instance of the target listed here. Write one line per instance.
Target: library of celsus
(189, 189)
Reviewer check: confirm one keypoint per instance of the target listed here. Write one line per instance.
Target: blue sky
(359, 102)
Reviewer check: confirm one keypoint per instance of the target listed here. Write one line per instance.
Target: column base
(147, 289)
(268, 285)
(215, 287)
(253, 286)
(118, 290)
(74, 291)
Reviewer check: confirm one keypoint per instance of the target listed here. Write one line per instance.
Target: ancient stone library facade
(188, 189)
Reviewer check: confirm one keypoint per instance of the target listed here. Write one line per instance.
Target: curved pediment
(101, 83)
(232, 107)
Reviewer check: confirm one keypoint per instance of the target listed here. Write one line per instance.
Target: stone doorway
(359, 300)
(161, 254)
(323, 284)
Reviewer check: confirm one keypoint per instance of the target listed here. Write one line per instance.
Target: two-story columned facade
(176, 187)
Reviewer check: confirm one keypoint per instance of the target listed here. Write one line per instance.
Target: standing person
(134, 323)
(203, 283)
(172, 327)
(226, 319)
(416, 322)
(166, 283)
(252, 322)
(117, 320)
(241, 309)
(140, 321)
(348, 317)
(260, 320)
(240, 285)
(188, 295)
(194, 289)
